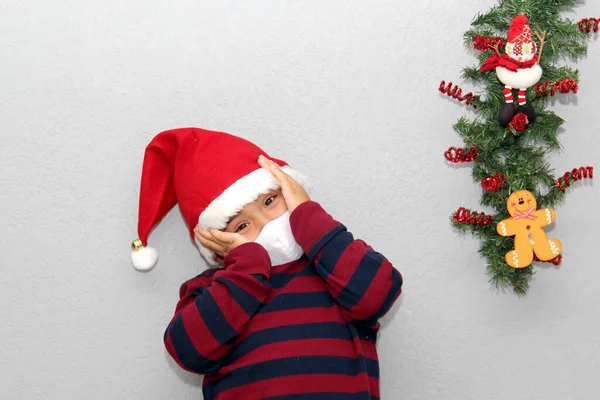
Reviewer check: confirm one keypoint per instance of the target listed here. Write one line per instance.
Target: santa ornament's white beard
(277, 238)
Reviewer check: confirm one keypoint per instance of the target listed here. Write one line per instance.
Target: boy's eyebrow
(232, 218)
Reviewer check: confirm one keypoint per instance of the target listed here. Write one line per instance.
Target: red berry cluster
(518, 124)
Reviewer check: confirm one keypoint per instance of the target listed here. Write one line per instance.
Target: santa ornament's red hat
(211, 175)
(520, 32)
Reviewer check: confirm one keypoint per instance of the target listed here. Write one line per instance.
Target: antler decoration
(542, 39)
(495, 47)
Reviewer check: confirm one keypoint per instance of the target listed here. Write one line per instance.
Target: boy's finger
(211, 245)
(281, 175)
(223, 237)
(273, 168)
(207, 240)
(208, 232)
(263, 162)
(201, 233)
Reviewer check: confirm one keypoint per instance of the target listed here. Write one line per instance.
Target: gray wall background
(346, 91)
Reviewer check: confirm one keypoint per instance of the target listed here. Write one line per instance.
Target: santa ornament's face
(521, 51)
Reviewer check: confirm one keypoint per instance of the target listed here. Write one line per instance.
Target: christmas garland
(514, 131)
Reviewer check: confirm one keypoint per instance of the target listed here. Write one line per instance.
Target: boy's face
(254, 216)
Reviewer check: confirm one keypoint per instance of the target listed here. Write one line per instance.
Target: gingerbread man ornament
(525, 224)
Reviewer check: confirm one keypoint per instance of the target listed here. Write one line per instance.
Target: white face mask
(277, 238)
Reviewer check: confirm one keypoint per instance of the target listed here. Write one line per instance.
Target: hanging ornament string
(494, 183)
(484, 43)
(587, 25)
(556, 261)
(575, 175)
(466, 216)
(458, 155)
(564, 87)
(455, 92)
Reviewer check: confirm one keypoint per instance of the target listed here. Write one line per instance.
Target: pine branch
(473, 74)
(495, 18)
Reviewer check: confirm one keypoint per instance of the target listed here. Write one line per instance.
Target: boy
(293, 311)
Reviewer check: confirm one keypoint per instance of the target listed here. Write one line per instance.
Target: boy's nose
(262, 220)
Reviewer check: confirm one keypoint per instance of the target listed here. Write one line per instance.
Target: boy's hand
(293, 192)
(221, 243)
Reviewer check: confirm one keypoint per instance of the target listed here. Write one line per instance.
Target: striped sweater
(302, 330)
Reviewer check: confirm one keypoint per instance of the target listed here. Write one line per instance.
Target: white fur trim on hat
(233, 199)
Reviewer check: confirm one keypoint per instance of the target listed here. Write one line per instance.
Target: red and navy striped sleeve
(362, 281)
(215, 306)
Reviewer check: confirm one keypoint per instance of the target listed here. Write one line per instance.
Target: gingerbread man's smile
(521, 205)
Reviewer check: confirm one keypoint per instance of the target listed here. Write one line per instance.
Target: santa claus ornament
(519, 68)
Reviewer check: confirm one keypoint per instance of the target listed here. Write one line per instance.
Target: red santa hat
(519, 34)
(211, 175)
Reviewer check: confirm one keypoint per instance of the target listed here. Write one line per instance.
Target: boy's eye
(269, 200)
(241, 227)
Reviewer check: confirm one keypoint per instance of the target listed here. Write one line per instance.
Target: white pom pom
(144, 259)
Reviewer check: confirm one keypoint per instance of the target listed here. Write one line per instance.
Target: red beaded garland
(565, 86)
(575, 174)
(487, 42)
(556, 261)
(455, 92)
(458, 155)
(494, 183)
(466, 216)
(589, 24)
